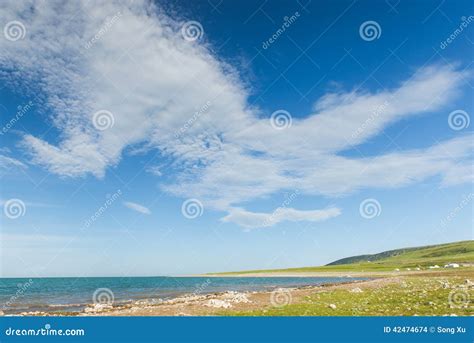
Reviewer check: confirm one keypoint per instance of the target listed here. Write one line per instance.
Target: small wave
(40, 307)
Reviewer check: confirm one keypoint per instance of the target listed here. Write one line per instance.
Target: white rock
(333, 306)
(235, 297)
(97, 308)
(452, 265)
(217, 303)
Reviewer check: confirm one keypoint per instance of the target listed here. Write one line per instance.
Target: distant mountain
(450, 252)
(407, 258)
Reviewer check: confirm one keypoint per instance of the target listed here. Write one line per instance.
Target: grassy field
(405, 285)
(422, 257)
(407, 296)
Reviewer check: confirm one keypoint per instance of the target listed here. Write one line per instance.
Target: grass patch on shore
(422, 296)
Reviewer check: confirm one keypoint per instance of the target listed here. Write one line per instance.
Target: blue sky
(174, 138)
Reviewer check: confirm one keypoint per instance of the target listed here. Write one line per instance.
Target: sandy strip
(215, 303)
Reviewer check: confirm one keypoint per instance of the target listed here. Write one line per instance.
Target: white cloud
(155, 170)
(137, 207)
(8, 163)
(252, 220)
(154, 82)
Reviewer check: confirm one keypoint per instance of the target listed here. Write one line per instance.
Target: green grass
(459, 252)
(412, 296)
(443, 251)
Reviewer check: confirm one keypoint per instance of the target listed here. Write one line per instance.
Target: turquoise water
(73, 294)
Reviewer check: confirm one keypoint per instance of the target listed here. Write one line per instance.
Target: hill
(423, 257)
(430, 253)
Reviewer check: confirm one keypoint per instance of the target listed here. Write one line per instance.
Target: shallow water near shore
(74, 294)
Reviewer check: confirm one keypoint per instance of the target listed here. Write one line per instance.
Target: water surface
(73, 294)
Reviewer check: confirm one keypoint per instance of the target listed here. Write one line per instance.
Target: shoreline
(395, 293)
(212, 304)
(212, 300)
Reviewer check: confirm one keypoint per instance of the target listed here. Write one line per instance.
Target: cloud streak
(137, 207)
(252, 220)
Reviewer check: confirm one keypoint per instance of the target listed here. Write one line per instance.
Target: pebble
(217, 303)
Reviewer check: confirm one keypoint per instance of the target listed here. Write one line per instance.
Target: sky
(173, 137)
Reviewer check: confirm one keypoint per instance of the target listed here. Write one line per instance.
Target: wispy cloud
(223, 160)
(155, 170)
(137, 207)
(7, 163)
(253, 220)
(32, 204)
